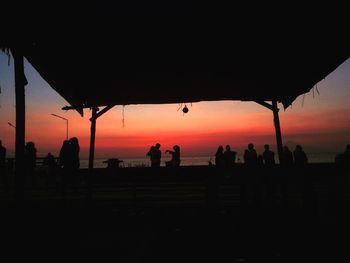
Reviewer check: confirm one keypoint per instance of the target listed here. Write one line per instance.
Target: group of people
(228, 157)
(68, 160)
(69, 156)
(29, 156)
(155, 156)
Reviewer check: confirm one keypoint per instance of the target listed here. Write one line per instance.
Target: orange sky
(322, 123)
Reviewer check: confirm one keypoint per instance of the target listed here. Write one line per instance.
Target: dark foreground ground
(294, 220)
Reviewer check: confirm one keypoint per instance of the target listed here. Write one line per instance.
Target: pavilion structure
(104, 60)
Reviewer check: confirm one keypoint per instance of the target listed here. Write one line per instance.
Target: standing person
(268, 155)
(287, 156)
(347, 154)
(155, 155)
(219, 157)
(65, 163)
(229, 156)
(2, 155)
(300, 157)
(175, 159)
(343, 158)
(30, 161)
(51, 165)
(74, 150)
(3, 168)
(64, 157)
(250, 155)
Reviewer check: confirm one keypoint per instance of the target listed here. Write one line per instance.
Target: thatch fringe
(6, 50)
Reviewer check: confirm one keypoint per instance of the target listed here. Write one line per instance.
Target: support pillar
(276, 121)
(91, 154)
(92, 138)
(94, 115)
(20, 82)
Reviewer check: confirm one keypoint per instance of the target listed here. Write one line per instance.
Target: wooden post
(92, 138)
(276, 121)
(95, 114)
(20, 82)
(91, 154)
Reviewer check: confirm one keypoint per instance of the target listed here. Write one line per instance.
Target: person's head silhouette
(298, 148)
(220, 148)
(266, 147)
(228, 148)
(250, 146)
(157, 145)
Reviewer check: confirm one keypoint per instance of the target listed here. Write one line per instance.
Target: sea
(325, 157)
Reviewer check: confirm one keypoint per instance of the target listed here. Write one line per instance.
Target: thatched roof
(103, 59)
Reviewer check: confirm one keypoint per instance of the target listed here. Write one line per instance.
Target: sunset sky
(320, 124)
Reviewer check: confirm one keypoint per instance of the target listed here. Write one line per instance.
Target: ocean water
(326, 157)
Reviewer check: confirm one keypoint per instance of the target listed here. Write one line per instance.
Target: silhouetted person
(65, 163)
(64, 158)
(250, 155)
(74, 152)
(2, 155)
(175, 157)
(347, 154)
(219, 157)
(155, 155)
(3, 168)
(268, 155)
(287, 156)
(50, 162)
(300, 157)
(229, 156)
(343, 158)
(150, 153)
(30, 160)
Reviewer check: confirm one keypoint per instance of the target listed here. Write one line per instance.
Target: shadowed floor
(170, 220)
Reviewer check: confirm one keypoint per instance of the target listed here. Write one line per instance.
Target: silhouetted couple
(155, 155)
(298, 157)
(266, 158)
(225, 159)
(175, 157)
(69, 161)
(69, 154)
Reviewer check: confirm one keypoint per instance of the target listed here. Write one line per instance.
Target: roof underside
(120, 60)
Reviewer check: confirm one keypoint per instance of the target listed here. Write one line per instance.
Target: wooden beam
(265, 104)
(104, 110)
(276, 121)
(78, 109)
